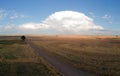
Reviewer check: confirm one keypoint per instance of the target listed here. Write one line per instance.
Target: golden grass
(18, 59)
(96, 54)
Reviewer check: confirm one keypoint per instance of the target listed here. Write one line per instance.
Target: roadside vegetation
(99, 55)
(18, 59)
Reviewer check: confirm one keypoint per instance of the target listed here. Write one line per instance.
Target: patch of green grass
(1, 47)
(10, 42)
(24, 69)
(8, 56)
(4, 69)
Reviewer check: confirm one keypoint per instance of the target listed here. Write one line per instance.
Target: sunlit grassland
(18, 59)
(99, 55)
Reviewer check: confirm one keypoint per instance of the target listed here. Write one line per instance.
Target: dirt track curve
(64, 69)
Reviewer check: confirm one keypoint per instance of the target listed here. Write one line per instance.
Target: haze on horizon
(83, 17)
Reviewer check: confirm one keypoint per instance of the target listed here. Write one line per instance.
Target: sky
(91, 17)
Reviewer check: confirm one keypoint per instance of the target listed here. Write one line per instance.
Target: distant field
(18, 59)
(96, 54)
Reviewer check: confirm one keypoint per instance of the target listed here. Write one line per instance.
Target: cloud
(17, 16)
(11, 15)
(71, 21)
(33, 26)
(92, 14)
(107, 18)
(62, 22)
(8, 29)
(2, 14)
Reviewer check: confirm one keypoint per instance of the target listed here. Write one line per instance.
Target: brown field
(95, 54)
(18, 59)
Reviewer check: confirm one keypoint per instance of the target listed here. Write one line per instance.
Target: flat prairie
(17, 58)
(95, 54)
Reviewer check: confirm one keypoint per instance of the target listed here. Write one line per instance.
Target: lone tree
(23, 37)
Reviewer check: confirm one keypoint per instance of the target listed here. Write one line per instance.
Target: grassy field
(18, 59)
(95, 54)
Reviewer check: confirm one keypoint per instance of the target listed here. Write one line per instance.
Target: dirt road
(64, 69)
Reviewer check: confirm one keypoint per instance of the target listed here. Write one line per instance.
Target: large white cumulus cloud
(71, 21)
(62, 21)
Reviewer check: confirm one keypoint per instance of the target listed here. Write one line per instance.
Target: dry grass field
(18, 59)
(95, 54)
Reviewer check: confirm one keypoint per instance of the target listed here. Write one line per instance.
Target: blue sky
(18, 12)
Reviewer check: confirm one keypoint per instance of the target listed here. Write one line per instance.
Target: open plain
(95, 54)
(17, 58)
